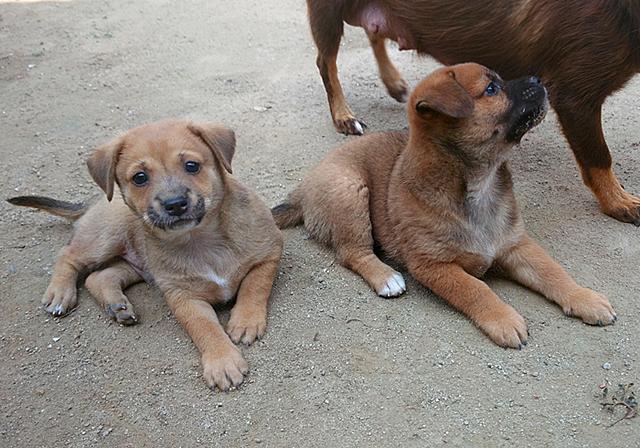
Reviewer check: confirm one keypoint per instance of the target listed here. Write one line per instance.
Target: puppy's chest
(219, 276)
(488, 227)
(213, 273)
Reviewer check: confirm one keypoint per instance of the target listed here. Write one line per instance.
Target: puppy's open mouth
(167, 222)
(526, 121)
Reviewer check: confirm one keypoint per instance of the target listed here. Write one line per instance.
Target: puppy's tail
(65, 209)
(287, 214)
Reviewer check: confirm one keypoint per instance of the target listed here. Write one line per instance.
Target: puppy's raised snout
(176, 206)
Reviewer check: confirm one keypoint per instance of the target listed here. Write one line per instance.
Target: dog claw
(350, 126)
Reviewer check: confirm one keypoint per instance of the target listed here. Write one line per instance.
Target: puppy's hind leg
(87, 250)
(61, 295)
(107, 286)
(391, 77)
(351, 235)
(327, 28)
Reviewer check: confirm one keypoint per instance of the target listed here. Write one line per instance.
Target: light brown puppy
(440, 201)
(175, 217)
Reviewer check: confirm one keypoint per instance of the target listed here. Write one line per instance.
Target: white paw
(393, 287)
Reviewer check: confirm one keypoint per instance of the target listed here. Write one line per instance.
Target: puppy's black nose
(535, 80)
(176, 206)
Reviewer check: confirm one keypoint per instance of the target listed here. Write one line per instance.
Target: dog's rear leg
(107, 286)
(391, 77)
(327, 28)
(583, 128)
(83, 253)
(351, 236)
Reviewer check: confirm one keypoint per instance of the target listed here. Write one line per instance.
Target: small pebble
(606, 366)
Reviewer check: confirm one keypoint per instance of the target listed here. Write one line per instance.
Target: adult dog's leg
(583, 128)
(327, 28)
(391, 77)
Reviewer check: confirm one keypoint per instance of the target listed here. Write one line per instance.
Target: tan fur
(391, 77)
(444, 210)
(614, 200)
(233, 251)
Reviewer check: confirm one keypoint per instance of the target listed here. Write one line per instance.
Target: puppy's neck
(440, 172)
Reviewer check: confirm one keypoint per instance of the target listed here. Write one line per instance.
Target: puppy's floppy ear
(220, 139)
(102, 165)
(446, 97)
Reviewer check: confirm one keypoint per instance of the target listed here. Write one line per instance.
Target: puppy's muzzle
(529, 106)
(176, 206)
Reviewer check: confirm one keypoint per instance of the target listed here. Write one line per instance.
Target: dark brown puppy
(179, 220)
(583, 49)
(440, 201)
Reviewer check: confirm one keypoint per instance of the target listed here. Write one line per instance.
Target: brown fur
(584, 50)
(233, 251)
(440, 202)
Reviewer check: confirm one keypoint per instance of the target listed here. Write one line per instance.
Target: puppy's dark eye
(492, 89)
(140, 178)
(192, 167)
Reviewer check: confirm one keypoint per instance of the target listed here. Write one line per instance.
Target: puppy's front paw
(591, 307)
(224, 368)
(122, 313)
(59, 298)
(505, 326)
(246, 326)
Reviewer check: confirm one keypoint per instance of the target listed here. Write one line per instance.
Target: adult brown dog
(177, 219)
(584, 50)
(440, 201)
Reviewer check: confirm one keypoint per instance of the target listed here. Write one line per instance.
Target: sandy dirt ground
(339, 367)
